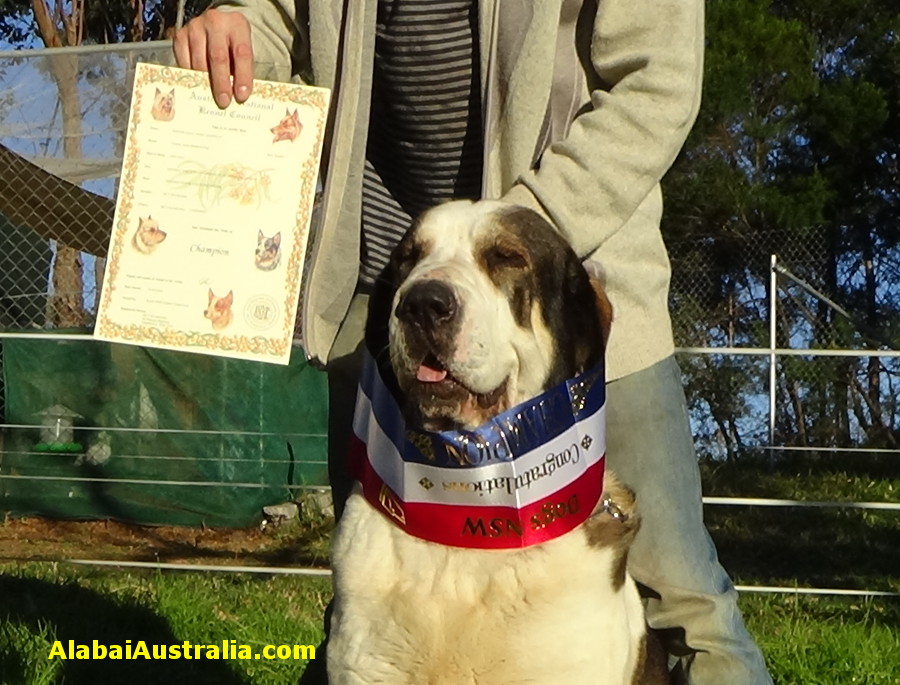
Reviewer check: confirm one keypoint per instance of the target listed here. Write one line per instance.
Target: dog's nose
(427, 304)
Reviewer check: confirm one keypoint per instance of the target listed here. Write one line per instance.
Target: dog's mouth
(432, 371)
(439, 400)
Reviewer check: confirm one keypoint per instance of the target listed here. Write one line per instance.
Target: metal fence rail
(326, 573)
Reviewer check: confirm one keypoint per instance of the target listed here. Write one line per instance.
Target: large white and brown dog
(482, 307)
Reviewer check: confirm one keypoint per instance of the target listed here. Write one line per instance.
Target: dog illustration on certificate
(288, 128)
(268, 252)
(163, 108)
(218, 311)
(148, 236)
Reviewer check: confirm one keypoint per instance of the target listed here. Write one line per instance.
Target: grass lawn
(826, 641)
(807, 640)
(42, 602)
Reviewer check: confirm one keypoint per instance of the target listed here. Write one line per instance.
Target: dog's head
(149, 232)
(483, 306)
(218, 306)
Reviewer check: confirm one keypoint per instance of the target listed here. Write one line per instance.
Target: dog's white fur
(412, 612)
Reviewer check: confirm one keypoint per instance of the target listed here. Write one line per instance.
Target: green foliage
(796, 153)
(15, 22)
(19, 647)
(752, 53)
(807, 547)
(848, 115)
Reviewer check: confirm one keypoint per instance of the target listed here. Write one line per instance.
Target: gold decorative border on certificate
(272, 346)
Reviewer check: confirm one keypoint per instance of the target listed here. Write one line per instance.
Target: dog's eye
(505, 257)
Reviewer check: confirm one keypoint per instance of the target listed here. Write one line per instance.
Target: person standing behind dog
(574, 108)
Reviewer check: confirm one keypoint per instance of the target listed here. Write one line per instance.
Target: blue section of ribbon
(503, 438)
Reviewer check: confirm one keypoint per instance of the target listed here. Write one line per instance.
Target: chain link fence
(63, 115)
(826, 331)
(62, 128)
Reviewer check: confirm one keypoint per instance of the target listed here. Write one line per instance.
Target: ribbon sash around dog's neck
(526, 476)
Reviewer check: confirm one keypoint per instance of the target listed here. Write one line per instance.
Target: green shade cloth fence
(241, 434)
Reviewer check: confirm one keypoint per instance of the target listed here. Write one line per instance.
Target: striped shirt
(424, 144)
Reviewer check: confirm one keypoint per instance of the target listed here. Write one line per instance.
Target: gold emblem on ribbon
(391, 504)
(422, 443)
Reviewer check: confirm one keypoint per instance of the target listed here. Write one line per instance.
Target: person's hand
(219, 43)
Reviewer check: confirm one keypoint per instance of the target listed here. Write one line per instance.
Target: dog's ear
(604, 307)
(381, 307)
(381, 304)
(585, 313)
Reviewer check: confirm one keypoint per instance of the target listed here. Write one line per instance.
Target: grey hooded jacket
(586, 103)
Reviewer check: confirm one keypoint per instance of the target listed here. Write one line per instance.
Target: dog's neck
(526, 476)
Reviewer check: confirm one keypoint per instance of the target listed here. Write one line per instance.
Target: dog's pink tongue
(427, 374)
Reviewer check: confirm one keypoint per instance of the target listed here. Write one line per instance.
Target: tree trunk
(67, 304)
(790, 389)
(137, 21)
(172, 17)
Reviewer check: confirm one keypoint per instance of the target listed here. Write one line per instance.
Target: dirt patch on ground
(298, 543)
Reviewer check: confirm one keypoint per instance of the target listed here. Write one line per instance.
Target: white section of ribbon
(389, 464)
(518, 483)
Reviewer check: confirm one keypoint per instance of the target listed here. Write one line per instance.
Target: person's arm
(649, 53)
(233, 35)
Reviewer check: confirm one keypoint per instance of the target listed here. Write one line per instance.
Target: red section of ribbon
(482, 527)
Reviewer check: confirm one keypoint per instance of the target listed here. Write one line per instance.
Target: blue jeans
(692, 602)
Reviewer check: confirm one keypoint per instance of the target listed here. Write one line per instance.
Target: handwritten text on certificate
(212, 217)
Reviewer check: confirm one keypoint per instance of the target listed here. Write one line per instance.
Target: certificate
(212, 217)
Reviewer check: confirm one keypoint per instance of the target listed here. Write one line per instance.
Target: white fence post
(773, 345)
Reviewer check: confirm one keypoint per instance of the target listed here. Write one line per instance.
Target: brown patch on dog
(456, 408)
(652, 666)
(507, 262)
(605, 530)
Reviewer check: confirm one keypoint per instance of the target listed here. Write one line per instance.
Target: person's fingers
(242, 60)
(196, 39)
(219, 65)
(181, 48)
(218, 43)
